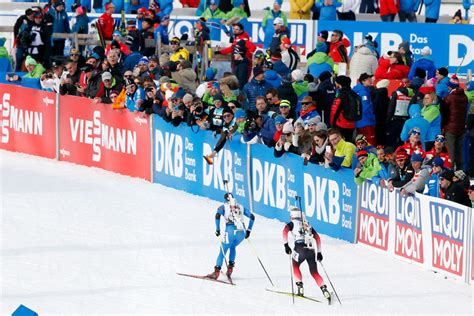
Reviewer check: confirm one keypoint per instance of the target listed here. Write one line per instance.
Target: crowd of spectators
(413, 138)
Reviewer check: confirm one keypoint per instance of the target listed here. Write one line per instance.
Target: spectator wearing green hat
(35, 70)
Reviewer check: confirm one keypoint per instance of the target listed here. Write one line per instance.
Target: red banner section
(95, 135)
(28, 121)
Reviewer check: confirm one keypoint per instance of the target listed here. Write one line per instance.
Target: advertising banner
(328, 197)
(452, 44)
(178, 162)
(431, 232)
(28, 121)
(94, 135)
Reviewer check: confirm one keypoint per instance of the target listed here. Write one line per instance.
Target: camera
(251, 126)
(198, 109)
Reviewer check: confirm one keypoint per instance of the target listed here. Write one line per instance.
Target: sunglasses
(440, 139)
(128, 76)
(312, 124)
(284, 107)
(415, 133)
(305, 103)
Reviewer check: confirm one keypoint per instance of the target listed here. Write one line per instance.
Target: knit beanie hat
(288, 127)
(30, 61)
(297, 75)
(453, 82)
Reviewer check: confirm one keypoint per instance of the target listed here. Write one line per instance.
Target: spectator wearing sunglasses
(362, 144)
(402, 172)
(229, 127)
(285, 142)
(413, 144)
(308, 111)
(416, 123)
(439, 150)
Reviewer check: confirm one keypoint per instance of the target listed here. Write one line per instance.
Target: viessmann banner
(28, 121)
(427, 231)
(452, 44)
(94, 135)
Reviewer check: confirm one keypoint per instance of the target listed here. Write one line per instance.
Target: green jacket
(319, 58)
(218, 14)
(269, 15)
(300, 87)
(236, 12)
(370, 169)
(36, 73)
(430, 112)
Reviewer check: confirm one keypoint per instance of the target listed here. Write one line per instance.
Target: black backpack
(353, 109)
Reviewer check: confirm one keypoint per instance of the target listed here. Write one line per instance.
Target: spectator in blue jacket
(328, 12)
(386, 157)
(264, 131)
(271, 76)
(279, 66)
(60, 25)
(129, 7)
(320, 61)
(442, 80)
(432, 10)
(258, 86)
(166, 6)
(416, 122)
(433, 182)
(408, 10)
(424, 63)
(366, 125)
(163, 30)
(82, 23)
(431, 113)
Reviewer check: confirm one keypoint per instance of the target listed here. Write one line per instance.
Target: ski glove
(247, 234)
(320, 256)
(218, 233)
(287, 249)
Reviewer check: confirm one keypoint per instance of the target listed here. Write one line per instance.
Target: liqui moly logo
(408, 234)
(20, 120)
(447, 224)
(102, 137)
(374, 212)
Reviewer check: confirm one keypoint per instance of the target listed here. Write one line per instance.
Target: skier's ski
(203, 277)
(291, 294)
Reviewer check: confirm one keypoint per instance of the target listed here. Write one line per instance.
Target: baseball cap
(106, 76)
(278, 21)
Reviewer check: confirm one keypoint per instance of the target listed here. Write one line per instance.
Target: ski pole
(260, 261)
(332, 286)
(291, 278)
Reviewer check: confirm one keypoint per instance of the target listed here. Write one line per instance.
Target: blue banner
(178, 162)
(328, 198)
(450, 43)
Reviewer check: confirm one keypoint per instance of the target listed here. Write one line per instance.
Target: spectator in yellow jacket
(178, 53)
(301, 9)
(341, 151)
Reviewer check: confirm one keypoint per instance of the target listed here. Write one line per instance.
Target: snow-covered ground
(81, 241)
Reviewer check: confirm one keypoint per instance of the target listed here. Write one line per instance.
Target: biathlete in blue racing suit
(235, 232)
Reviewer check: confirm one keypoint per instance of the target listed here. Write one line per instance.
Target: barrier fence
(433, 233)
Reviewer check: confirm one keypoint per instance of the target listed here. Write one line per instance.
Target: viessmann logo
(101, 136)
(20, 120)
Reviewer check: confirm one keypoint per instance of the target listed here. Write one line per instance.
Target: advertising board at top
(328, 198)
(95, 135)
(28, 121)
(178, 162)
(452, 45)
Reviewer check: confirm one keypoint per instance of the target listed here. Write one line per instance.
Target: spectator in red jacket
(337, 48)
(190, 3)
(106, 22)
(389, 9)
(240, 34)
(341, 101)
(453, 114)
(391, 66)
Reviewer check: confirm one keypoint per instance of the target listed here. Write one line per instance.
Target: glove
(287, 249)
(218, 233)
(319, 256)
(247, 234)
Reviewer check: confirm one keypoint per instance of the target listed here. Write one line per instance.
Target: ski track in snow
(83, 241)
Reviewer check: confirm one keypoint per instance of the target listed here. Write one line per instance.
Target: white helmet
(295, 212)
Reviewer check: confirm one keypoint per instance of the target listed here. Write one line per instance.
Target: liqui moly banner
(328, 198)
(28, 121)
(428, 231)
(178, 162)
(452, 44)
(95, 135)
